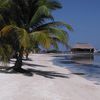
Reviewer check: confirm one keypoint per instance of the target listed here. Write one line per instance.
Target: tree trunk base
(17, 69)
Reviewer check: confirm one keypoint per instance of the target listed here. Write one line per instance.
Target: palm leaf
(16, 37)
(4, 3)
(5, 52)
(23, 38)
(51, 4)
(42, 11)
(61, 35)
(2, 22)
(42, 38)
(55, 24)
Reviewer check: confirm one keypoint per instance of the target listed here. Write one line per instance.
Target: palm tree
(13, 39)
(29, 21)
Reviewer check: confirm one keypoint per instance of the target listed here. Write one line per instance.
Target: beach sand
(47, 81)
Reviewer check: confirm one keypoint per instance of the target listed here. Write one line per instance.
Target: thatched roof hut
(82, 48)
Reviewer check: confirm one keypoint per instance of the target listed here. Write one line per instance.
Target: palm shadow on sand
(30, 64)
(48, 74)
(31, 72)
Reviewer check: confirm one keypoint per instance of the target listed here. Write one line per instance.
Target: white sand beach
(48, 81)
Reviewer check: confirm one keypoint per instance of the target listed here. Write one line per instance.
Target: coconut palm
(29, 22)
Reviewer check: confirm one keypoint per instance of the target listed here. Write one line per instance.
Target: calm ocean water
(87, 66)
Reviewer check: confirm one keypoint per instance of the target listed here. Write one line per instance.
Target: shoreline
(49, 82)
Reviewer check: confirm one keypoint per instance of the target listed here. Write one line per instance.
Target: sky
(84, 17)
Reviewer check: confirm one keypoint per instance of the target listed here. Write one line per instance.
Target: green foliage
(54, 24)
(30, 23)
(41, 11)
(12, 39)
(4, 3)
(5, 52)
(23, 38)
(51, 4)
(59, 34)
(42, 38)
(2, 22)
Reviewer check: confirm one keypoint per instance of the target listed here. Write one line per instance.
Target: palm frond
(59, 34)
(23, 38)
(6, 30)
(14, 36)
(51, 4)
(2, 22)
(42, 38)
(55, 24)
(42, 11)
(5, 52)
(4, 3)
(54, 4)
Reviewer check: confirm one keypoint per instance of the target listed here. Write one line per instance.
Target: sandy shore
(47, 81)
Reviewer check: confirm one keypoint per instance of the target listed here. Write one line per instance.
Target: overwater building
(82, 48)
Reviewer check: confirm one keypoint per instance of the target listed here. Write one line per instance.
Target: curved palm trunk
(18, 63)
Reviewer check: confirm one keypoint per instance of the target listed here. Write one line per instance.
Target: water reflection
(86, 65)
(83, 59)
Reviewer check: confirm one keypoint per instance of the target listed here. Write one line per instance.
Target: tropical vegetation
(27, 24)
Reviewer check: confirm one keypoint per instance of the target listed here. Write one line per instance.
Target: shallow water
(87, 66)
